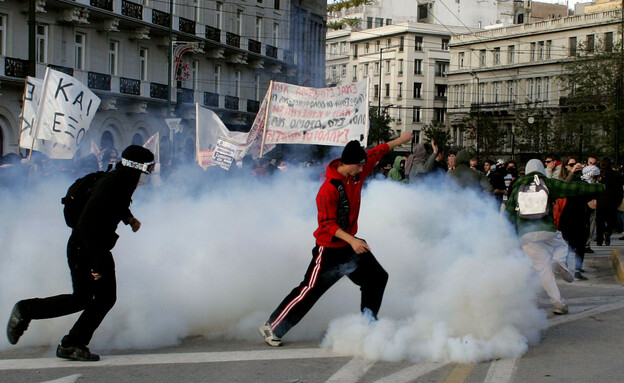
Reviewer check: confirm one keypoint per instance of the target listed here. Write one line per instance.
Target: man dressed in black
(90, 259)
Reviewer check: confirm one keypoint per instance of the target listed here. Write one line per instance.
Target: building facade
(405, 65)
(500, 73)
(225, 55)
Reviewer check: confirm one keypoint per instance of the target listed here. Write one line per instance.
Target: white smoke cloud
(216, 259)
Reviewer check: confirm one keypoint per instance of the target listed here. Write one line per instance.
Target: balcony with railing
(186, 95)
(131, 9)
(99, 81)
(232, 40)
(187, 26)
(211, 99)
(255, 46)
(158, 91)
(231, 102)
(14, 67)
(213, 34)
(160, 18)
(102, 4)
(68, 71)
(271, 51)
(129, 86)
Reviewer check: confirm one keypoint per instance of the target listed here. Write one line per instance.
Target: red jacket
(327, 198)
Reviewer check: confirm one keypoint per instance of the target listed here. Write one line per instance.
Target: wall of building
(230, 74)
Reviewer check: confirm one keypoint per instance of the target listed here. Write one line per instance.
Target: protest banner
(322, 116)
(32, 94)
(64, 114)
(153, 145)
(225, 153)
(208, 130)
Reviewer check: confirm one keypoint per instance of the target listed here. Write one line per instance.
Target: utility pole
(32, 39)
(618, 90)
(474, 75)
(169, 82)
(380, 74)
(170, 58)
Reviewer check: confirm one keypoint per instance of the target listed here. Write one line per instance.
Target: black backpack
(77, 196)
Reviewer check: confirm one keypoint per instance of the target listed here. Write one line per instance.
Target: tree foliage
(590, 111)
(438, 133)
(379, 129)
(486, 129)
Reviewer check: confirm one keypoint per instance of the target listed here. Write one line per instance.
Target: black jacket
(108, 205)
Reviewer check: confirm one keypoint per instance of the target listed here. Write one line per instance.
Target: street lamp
(474, 75)
(381, 74)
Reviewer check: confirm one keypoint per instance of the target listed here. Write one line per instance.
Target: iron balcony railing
(158, 91)
(15, 67)
(103, 4)
(129, 86)
(213, 34)
(187, 26)
(99, 81)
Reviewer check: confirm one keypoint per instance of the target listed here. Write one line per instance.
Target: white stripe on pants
(542, 248)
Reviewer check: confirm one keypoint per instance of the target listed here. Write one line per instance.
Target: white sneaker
(561, 270)
(560, 308)
(267, 332)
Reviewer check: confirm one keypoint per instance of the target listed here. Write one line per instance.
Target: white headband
(137, 165)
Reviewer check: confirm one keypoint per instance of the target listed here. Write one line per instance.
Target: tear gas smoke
(215, 259)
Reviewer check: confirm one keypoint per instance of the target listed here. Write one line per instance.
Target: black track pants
(328, 265)
(95, 298)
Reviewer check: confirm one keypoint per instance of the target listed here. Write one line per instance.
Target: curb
(617, 263)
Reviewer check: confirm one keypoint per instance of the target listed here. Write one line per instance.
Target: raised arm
(404, 138)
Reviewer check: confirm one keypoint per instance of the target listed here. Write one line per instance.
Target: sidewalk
(606, 264)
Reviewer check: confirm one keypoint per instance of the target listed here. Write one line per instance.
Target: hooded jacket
(465, 176)
(327, 199)
(108, 205)
(556, 189)
(420, 163)
(395, 173)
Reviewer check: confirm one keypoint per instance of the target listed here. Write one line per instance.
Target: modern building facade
(405, 64)
(225, 55)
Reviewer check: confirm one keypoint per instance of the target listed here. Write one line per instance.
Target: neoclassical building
(497, 72)
(225, 53)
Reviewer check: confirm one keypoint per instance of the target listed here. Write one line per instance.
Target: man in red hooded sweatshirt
(337, 252)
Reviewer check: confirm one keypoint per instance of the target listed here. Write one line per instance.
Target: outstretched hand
(135, 224)
(434, 146)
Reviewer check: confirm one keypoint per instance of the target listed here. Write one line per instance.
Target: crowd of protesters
(582, 216)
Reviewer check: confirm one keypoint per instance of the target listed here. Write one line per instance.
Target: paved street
(585, 345)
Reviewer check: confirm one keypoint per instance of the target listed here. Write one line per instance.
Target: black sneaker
(78, 353)
(579, 276)
(17, 324)
(589, 250)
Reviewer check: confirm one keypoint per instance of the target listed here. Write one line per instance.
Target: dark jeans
(328, 265)
(94, 298)
(605, 223)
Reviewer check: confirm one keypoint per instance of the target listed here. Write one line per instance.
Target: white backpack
(533, 200)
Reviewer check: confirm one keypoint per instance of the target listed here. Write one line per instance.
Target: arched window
(107, 141)
(137, 139)
(1, 144)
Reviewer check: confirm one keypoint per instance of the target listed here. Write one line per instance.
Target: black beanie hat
(137, 155)
(353, 153)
